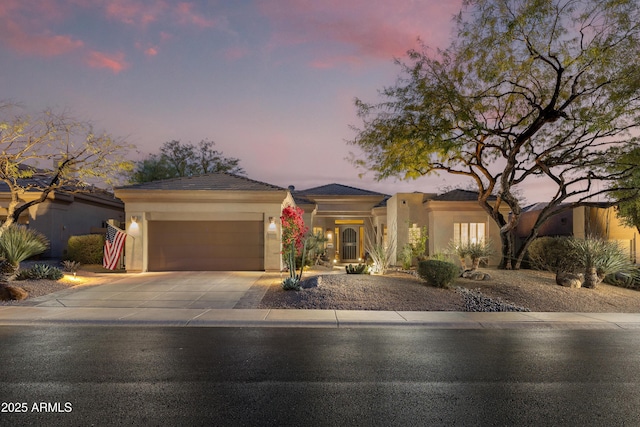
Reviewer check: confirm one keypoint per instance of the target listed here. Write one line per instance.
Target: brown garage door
(206, 245)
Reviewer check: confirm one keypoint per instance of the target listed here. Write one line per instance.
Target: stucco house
(223, 221)
(64, 213)
(596, 220)
(217, 221)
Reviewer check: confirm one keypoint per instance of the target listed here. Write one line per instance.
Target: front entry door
(349, 244)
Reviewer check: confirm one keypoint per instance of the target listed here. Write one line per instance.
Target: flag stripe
(113, 246)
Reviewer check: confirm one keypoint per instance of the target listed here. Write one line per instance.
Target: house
(595, 220)
(344, 215)
(222, 221)
(216, 221)
(64, 213)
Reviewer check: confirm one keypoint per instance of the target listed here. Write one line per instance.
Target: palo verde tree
(529, 89)
(178, 160)
(53, 151)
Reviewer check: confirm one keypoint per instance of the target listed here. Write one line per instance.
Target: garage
(206, 245)
(210, 222)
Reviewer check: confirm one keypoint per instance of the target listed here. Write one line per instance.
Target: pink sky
(272, 82)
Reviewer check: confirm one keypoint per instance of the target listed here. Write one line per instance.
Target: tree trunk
(591, 278)
(507, 242)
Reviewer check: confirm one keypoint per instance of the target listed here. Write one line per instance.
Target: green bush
(357, 269)
(18, 243)
(40, 271)
(291, 284)
(554, 254)
(438, 273)
(598, 258)
(86, 249)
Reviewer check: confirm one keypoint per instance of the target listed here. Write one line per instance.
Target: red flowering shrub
(293, 244)
(293, 228)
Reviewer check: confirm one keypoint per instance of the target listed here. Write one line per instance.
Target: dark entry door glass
(349, 244)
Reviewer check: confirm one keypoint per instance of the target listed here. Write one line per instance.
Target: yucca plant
(598, 258)
(18, 243)
(476, 251)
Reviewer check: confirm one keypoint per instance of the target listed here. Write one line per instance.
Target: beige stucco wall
(201, 206)
(404, 210)
(441, 217)
(604, 223)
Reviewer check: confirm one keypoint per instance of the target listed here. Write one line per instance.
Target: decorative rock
(569, 280)
(8, 293)
(476, 275)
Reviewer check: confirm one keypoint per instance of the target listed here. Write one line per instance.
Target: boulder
(569, 280)
(9, 293)
(476, 275)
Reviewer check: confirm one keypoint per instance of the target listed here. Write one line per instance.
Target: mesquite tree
(529, 89)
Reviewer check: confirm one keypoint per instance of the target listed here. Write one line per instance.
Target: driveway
(184, 289)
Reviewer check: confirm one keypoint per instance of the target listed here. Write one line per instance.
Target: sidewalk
(181, 317)
(226, 299)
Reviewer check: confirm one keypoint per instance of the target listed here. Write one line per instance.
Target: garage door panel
(206, 245)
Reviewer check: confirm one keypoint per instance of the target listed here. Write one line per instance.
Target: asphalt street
(89, 375)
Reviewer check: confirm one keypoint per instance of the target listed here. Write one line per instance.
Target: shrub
(476, 251)
(554, 254)
(357, 269)
(406, 256)
(41, 271)
(18, 243)
(438, 273)
(291, 284)
(70, 266)
(86, 249)
(598, 258)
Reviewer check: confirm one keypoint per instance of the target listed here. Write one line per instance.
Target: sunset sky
(272, 82)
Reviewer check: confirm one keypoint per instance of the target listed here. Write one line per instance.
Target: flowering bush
(293, 229)
(293, 243)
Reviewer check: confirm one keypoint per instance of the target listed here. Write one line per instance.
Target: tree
(528, 89)
(627, 188)
(71, 151)
(178, 160)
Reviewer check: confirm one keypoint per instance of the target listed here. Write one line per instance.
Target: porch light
(272, 225)
(134, 228)
(329, 235)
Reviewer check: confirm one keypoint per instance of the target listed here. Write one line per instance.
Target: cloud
(235, 53)
(186, 16)
(357, 30)
(114, 62)
(15, 21)
(135, 12)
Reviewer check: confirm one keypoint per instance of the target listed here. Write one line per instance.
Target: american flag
(113, 245)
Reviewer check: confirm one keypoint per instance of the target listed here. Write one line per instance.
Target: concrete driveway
(188, 289)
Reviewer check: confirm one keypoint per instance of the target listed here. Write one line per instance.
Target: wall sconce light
(134, 228)
(329, 235)
(272, 225)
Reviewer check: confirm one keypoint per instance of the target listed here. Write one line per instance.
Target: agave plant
(599, 258)
(18, 243)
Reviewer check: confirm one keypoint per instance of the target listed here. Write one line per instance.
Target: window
(414, 234)
(464, 233)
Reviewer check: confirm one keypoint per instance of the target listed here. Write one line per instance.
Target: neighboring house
(65, 213)
(216, 221)
(595, 220)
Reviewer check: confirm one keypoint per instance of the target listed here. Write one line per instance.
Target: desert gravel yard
(530, 289)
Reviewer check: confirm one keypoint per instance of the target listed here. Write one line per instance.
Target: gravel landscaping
(506, 291)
